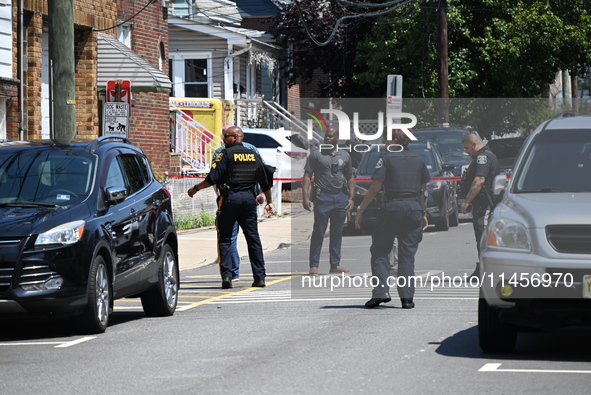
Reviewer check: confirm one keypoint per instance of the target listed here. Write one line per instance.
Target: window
(196, 78)
(114, 176)
(5, 39)
(261, 140)
(124, 34)
(136, 174)
(192, 75)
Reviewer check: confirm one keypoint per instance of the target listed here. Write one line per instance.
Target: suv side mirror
(116, 194)
(499, 185)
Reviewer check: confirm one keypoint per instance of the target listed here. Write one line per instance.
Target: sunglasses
(229, 135)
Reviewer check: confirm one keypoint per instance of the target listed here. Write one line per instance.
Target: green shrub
(183, 222)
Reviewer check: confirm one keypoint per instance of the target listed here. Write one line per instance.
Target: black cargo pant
(402, 219)
(239, 206)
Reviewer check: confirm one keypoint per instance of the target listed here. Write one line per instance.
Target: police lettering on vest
(244, 167)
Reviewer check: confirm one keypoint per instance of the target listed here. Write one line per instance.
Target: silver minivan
(535, 261)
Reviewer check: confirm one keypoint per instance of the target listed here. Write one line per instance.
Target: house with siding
(119, 40)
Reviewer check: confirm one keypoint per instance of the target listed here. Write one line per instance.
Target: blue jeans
(328, 207)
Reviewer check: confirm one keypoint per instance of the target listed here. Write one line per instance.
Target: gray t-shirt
(330, 169)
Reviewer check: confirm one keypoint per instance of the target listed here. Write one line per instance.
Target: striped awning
(117, 62)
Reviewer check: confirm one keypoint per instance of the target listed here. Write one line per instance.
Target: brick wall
(150, 128)
(10, 89)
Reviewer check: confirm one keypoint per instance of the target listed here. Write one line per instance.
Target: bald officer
(235, 172)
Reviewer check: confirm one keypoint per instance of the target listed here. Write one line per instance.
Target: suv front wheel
(494, 335)
(95, 317)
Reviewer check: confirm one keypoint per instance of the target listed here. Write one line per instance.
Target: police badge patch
(481, 159)
(380, 163)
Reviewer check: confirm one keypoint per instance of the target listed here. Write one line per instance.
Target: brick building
(113, 40)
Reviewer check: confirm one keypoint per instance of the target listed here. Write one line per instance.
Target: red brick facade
(149, 125)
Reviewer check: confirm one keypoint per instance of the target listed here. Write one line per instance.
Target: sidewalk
(198, 247)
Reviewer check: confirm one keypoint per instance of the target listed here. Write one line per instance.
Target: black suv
(84, 224)
(442, 209)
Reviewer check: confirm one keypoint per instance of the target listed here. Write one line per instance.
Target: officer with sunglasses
(235, 172)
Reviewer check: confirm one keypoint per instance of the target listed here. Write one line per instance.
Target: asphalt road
(287, 338)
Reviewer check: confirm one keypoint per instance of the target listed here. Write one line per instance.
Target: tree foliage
(337, 58)
(497, 48)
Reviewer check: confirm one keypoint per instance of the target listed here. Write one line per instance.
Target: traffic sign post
(394, 92)
(117, 109)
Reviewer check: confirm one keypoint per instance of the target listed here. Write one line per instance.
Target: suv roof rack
(565, 114)
(95, 144)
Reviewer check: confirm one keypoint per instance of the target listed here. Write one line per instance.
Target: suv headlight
(65, 234)
(507, 233)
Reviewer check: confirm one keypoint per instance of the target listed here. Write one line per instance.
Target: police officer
(404, 177)
(477, 185)
(332, 193)
(235, 172)
(233, 241)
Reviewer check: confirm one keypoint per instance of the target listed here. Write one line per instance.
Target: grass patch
(184, 222)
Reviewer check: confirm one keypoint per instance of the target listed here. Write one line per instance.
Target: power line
(399, 3)
(129, 19)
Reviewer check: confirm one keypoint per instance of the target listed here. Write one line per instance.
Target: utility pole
(443, 62)
(62, 68)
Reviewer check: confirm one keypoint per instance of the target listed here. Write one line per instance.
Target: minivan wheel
(443, 223)
(454, 218)
(494, 335)
(161, 300)
(95, 317)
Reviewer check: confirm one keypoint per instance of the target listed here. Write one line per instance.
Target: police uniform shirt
(331, 169)
(484, 164)
(246, 145)
(219, 172)
(402, 173)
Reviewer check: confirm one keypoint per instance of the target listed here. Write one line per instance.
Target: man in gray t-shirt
(333, 191)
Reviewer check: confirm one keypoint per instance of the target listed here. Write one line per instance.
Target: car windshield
(449, 144)
(556, 161)
(55, 177)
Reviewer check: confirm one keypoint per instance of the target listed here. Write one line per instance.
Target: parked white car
(277, 149)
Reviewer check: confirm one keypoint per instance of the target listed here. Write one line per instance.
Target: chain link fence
(205, 200)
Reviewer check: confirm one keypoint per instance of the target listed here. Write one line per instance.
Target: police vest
(243, 166)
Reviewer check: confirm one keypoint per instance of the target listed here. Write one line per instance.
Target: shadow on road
(566, 344)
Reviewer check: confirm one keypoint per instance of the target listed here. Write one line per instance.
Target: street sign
(116, 119)
(394, 93)
(121, 88)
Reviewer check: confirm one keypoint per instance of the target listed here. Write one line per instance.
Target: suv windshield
(556, 161)
(55, 177)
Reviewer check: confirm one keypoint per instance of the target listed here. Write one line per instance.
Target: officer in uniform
(233, 247)
(235, 172)
(477, 185)
(332, 194)
(404, 177)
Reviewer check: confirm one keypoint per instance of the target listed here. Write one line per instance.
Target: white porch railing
(193, 141)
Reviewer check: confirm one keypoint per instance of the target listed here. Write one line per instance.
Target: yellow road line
(237, 293)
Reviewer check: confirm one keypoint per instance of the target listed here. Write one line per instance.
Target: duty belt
(404, 199)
